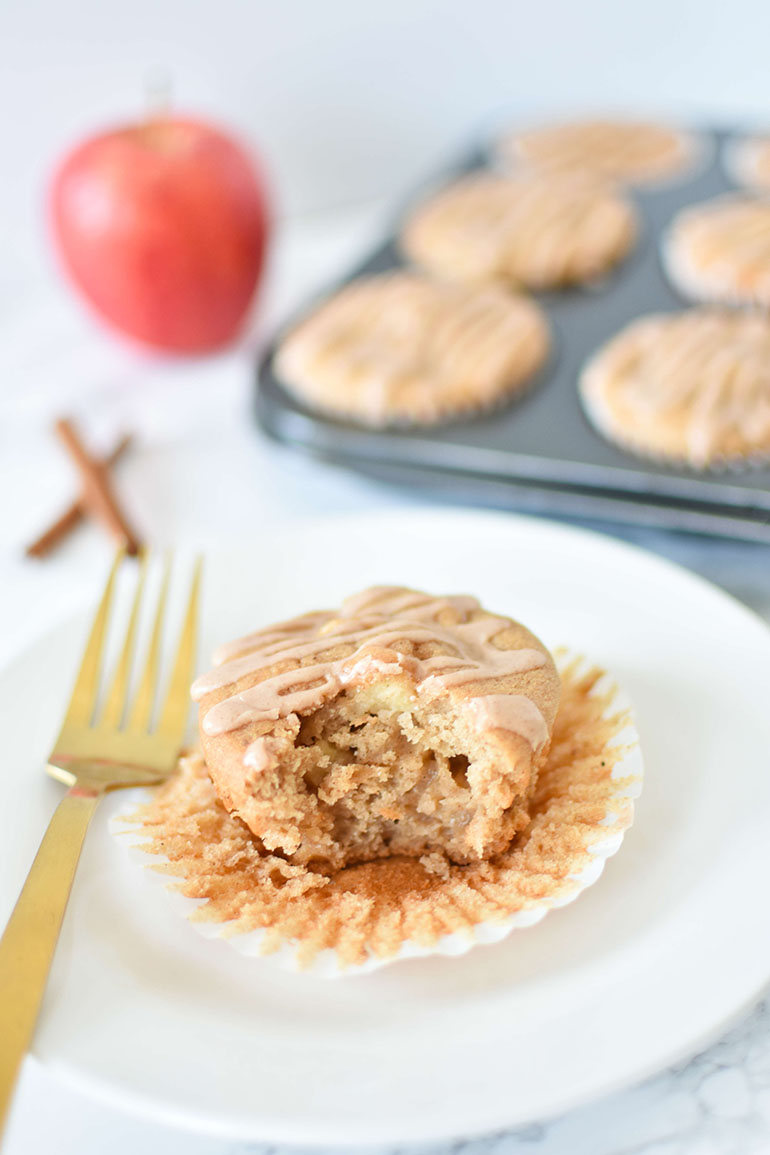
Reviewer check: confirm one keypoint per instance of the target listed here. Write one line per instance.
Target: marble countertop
(190, 417)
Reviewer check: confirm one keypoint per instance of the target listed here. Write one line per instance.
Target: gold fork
(97, 750)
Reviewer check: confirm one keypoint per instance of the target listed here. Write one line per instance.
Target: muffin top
(536, 231)
(720, 250)
(748, 162)
(692, 386)
(439, 645)
(627, 151)
(401, 348)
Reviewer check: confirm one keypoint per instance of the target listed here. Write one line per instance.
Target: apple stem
(158, 88)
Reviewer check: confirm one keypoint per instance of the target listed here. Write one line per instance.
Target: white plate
(646, 966)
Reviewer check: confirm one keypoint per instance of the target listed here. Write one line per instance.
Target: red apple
(162, 226)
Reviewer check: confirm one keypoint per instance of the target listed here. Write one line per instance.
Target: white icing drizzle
(372, 625)
(275, 632)
(513, 712)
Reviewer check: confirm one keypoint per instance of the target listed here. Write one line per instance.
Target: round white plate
(646, 966)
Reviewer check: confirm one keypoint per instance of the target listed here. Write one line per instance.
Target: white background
(348, 99)
(348, 102)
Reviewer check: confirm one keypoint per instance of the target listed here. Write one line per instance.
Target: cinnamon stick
(71, 517)
(97, 490)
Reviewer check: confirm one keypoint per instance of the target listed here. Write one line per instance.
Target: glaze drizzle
(373, 624)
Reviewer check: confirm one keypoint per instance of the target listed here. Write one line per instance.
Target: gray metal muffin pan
(540, 451)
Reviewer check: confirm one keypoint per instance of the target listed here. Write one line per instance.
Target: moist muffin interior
(377, 773)
(400, 723)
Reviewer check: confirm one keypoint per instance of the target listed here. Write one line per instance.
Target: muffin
(401, 348)
(748, 162)
(720, 251)
(365, 915)
(532, 231)
(631, 152)
(691, 387)
(400, 724)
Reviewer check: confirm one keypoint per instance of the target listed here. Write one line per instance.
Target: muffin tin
(540, 452)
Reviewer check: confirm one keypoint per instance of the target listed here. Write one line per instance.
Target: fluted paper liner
(363, 916)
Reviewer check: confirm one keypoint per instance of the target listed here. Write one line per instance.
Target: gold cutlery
(99, 748)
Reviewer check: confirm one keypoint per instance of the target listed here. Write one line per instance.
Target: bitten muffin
(691, 387)
(748, 162)
(401, 348)
(626, 151)
(720, 251)
(400, 724)
(400, 907)
(537, 232)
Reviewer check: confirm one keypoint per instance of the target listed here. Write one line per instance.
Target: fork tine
(84, 693)
(115, 705)
(141, 711)
(177, 705)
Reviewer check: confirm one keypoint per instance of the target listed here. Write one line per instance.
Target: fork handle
(28, 944)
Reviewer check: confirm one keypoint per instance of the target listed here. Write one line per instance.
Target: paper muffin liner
(581, 808)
